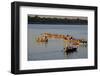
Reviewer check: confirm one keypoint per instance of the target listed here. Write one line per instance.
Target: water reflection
(69, 52)
(83, 45)
(66, 53)
(42, 44)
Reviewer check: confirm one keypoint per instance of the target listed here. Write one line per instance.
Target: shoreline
(57, 24)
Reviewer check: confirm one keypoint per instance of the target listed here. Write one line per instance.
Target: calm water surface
(54, 48)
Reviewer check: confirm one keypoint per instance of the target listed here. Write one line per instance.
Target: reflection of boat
(69, 51)
(70, 48)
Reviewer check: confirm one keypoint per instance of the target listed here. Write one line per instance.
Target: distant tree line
(38, 20)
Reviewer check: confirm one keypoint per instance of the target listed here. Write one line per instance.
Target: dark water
(54, 48)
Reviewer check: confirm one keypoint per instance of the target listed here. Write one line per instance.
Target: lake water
(54, 48)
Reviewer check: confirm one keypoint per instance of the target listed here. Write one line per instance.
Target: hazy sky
(54, 16)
